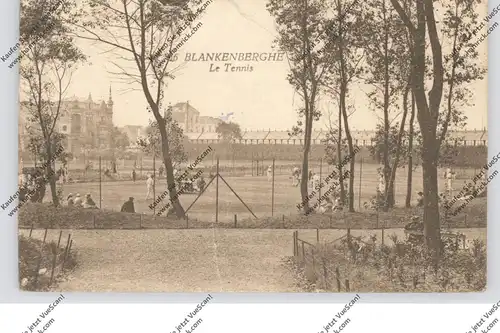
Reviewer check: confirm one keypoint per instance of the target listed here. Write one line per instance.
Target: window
(65, 128)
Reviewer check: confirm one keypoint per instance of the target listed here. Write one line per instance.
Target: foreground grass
(37, 257)
(40, 216)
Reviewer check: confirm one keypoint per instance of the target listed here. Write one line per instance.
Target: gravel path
(197, 260)
(178, 260)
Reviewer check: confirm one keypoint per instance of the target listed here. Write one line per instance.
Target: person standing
(134, 175)
(448, 176)
(269, 173)
(149, 186)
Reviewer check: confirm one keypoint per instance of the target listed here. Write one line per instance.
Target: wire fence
(45, 277)
(266, 185)
(333, 274)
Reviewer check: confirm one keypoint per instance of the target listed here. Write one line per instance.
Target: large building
(190, 121)
(86, 123)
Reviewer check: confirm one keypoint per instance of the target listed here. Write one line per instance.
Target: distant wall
(467, 156)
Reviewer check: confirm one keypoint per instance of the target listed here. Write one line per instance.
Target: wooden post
(303, 252)
(272, 196)
(31, 230)
(94, 220)
(294, 244)
(325, 276)
(317, 235)
(44, 236)
(337, 273)
(359, 191)
(320, 176)
(349, 240)
(283, 221)
(100, 184)
(154, 181)
(59, 240)
(235, 220)
(217, 193)
(187, 221)
(54, 257)
(465, 221)
(140, 221)
(383, 235)
(347, 287)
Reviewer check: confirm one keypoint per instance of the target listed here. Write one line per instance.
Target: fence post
(217, 193)
(283, 221)
(44, 236)
(53, 266)
(100, 184)
(59, 240)
(294, 244)
(320, 176)
(272, 197)
(337, 275)
(347, 287)
(187, 221)
(235, 220)
(317, 235)
(360, 175)
(94, 220)
(349, 241)
(31, 230)
(465, 221)
(303, 251)
(325, 276)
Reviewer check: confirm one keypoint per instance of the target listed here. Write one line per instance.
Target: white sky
(260, 99)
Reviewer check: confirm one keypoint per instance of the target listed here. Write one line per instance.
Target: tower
(110, 100)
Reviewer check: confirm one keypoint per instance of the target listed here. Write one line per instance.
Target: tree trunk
(409, 179)
(339, 157)
(432, 229)
(305, 157)
(167, 160)
(51, 175)
(389, 200)
(389, 194)
(428, 113)
(343, 107)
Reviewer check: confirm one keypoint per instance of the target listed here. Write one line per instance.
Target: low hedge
(42, 216)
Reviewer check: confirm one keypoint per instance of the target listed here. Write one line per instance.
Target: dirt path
(208, 260)
(197, 260)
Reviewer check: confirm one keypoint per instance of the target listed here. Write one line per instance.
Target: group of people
(32, 183)
(76, 201)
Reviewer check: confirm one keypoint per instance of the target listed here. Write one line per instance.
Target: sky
(261, 99)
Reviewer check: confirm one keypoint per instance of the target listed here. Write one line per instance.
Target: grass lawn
(255, 191)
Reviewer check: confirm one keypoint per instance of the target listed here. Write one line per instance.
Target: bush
(406, 266)
(34, 257)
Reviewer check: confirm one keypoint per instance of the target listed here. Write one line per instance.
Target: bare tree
(144, 36)
(427, 110)
(48, 60)
(301, 27)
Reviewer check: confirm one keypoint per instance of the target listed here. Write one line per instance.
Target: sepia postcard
(252, 145)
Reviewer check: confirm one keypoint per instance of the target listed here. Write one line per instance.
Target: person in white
(269, 173)
(149, 185)
(381, 182)
(449, 176)
(78, 201)
(315, 180)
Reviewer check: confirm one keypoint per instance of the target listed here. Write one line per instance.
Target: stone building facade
(190, 121)
(87, 124)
